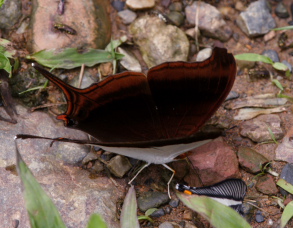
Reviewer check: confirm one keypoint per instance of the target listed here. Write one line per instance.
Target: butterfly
(153, 118)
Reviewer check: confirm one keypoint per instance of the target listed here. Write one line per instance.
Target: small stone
(266, 185)
(119, 166)
(89, 157)
(281, 11)
(98, 167)
(176, 6)
(250, 160)
(129, 61)
(269, 36)
(187, 215)
(106, 156)
(10, 12)
(259, 217)
(176, 17)
(257, 128)
(168, 209)
(152, 200)
(127, 16)
(203, 54)
(158, 213)
(169, 225)
(140, 5)
(174, 202)
(118, 5)
(271, 54)
(232, 95)
(240, 6)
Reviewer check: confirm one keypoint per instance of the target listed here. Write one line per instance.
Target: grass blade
(41, 210)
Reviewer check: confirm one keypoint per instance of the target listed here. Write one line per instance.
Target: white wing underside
(155, 155)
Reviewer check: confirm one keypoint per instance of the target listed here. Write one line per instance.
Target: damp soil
(153, 178)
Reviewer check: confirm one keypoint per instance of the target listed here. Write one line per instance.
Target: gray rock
(174, 202)
(127, 16)
(287, 175)
(257, 129)
(55, 168)
(281, 10)
(119, 165)
(10, 13)
(256, 20)
(210, 21)
(118, 5)
(158, 213)
(259, 217)
(152, 199)
(159, 42)
(272, 54)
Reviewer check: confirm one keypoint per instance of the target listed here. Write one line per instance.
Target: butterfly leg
(139, 171)
(171, 178)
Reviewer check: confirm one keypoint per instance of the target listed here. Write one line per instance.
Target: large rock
(55, 168)
(90, 19)
(159, 42)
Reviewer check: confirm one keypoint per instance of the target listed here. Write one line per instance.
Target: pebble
(119, 166)
(174, 203)
(271, 54)
(176, 17)
(141, 4)
(259, 217)
(158, 213)
(118, 5)
(281, 11)
(10, 12)
(187, 215)
(127, 16)
(149, 200)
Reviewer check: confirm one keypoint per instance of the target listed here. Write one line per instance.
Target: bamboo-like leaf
(70, 57)
(287, 214)
(284, 28)
(285, 185)
(280, 66)
(278, 84)
(96, 221)
(254, 57)
(128, 216)
(216, 213)
(41, 210)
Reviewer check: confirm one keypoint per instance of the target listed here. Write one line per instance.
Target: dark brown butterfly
(153, 118)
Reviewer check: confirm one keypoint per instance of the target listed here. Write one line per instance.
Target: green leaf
(285, 185)
(272, 136)
(41, 210)
(2, 2)
(128, 216)
(289, 98)
(287, 214)
(5, 64)
(96, 221)
(278, 84)
(150, 211)
(70, 57)
(254, 58)
(280, 66)
(6, 48)
(284, 28)
(216, 213)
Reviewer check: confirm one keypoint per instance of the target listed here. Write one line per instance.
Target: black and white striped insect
(230, 192)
